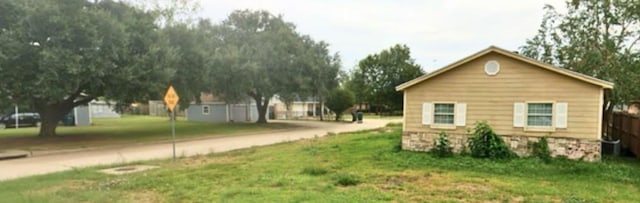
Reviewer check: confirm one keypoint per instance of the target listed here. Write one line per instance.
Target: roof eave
(575, 75)
(446, 68)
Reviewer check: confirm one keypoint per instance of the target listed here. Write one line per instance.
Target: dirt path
(11, 169)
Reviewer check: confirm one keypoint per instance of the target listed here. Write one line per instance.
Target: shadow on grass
(127, 130)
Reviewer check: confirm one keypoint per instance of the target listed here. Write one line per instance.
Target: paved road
(11, 169)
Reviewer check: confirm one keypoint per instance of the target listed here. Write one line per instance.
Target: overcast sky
(438, 32)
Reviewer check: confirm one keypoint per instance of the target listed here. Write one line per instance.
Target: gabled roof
(536, 63)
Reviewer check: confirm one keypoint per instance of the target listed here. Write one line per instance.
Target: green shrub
(339, 100)
(541, 149)
(314, 171)
(442, 147)
(484, 143)
(345, 179)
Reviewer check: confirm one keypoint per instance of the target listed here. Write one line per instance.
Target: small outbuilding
(521, 98)
(103, 109)
(219, 112)
(213, 109)
(79, 116)
(82, 115)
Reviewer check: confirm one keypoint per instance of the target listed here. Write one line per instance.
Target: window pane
(444, 108)
(540, 108)
(443, 119)
(539, 114)
(539, 120)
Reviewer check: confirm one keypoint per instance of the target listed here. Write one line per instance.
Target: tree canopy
(58, 54)
(262, 56)
(596, 38)
(194, 47)
(339, 100)
(377, 75)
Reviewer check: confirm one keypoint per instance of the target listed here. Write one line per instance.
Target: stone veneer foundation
(572, 148)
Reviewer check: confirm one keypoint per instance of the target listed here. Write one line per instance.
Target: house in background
(521, 98)
(214, 109)
(157, 108)
(102, 109)
(300, 108)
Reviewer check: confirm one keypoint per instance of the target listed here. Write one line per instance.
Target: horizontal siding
(217, 113)
(491, 98)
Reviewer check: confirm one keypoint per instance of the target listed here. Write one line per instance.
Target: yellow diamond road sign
(171, 98)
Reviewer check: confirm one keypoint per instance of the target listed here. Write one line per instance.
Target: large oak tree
(599, 38)
(59, 54)
(194, 45)
(262, 56)
(377, 75)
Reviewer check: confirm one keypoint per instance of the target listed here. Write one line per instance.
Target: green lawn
(125, 130)
(370, 164)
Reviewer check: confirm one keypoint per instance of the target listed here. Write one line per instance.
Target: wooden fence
(627, 127)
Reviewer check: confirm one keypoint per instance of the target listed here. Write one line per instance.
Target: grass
(125, 130)
(356, 167)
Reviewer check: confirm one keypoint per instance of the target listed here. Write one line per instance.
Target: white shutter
(518, 114)
(426, 113)
(561, 115)
(461, 114)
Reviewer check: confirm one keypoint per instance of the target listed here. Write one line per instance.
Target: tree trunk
(50, 116)
(287, 105)
(229, 114)
(262, 104)
(321, 108)
(607, 116)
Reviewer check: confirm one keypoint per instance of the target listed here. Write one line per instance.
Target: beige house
(521, 98)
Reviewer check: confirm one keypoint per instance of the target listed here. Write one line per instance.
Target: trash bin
(68, 120)
(353, 117)
(360, 115)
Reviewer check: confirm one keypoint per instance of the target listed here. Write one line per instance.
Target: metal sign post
(17, 117)
(173, 132)
(171, 99)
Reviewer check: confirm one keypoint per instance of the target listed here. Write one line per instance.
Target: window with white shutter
(540, 116)
(445, 115)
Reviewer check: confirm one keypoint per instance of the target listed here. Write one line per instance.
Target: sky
(438, 32)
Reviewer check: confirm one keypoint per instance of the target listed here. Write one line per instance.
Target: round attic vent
(492, 67)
